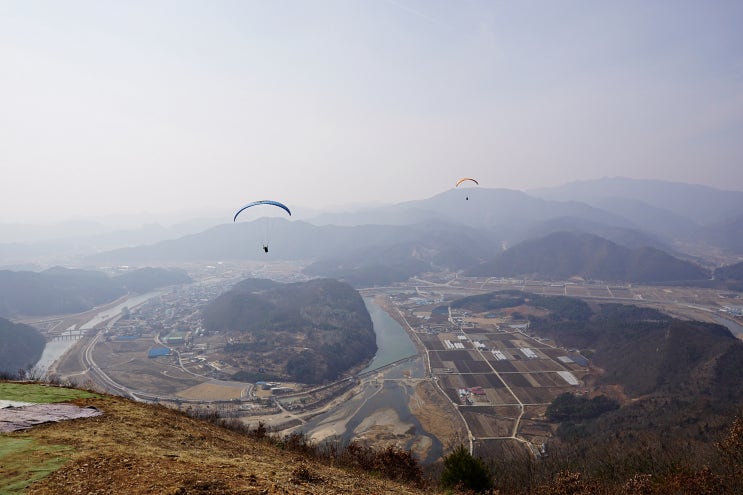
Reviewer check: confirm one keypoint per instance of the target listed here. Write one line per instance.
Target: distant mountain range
(385, 244)
(28, 246)
(701, 205)
(485, 208)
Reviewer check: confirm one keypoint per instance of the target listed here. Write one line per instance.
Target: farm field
(500, 378)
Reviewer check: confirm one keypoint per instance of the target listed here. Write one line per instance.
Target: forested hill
(730, 276)
(20, 347)
(678, 382)
(639, 349)
(306, 331)
(562, 255)
(54, 291)
(647, 352)
(61, 290)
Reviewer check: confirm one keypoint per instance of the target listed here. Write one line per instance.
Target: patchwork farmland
(500, 378)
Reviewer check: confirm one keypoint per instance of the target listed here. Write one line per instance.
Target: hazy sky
(158, 106)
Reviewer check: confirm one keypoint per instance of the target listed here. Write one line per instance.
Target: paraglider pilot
(262, 202)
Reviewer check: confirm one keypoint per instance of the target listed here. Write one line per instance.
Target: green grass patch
(30, 392)
(23, 461)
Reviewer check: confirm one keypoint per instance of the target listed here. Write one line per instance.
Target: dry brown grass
(437, 415)
(138, 448)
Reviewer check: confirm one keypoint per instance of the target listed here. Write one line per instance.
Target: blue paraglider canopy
(262, 202)
(269, 223)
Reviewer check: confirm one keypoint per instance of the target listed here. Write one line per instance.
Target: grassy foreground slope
(142, 448)
(24, 392)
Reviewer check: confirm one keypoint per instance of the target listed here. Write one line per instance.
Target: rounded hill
(308, 332)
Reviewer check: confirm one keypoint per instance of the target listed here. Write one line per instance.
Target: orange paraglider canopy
(465, 179)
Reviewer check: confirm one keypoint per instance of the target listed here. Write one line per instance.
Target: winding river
(55, 349)
(387, 399)
(393, 342)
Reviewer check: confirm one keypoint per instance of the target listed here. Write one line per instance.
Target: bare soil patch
(213, 391)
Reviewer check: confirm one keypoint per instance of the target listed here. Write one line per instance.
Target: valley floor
(477, 380)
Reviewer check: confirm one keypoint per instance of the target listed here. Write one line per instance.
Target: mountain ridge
(563, 255)
(59, 290)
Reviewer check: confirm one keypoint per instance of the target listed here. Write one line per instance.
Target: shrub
(462, 470)
(568, 483)
(390, 462)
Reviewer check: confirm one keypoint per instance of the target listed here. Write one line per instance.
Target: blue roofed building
(158, 352)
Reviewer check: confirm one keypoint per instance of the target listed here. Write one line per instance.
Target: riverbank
(396, 404)
(61, 357)
(429, 404)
